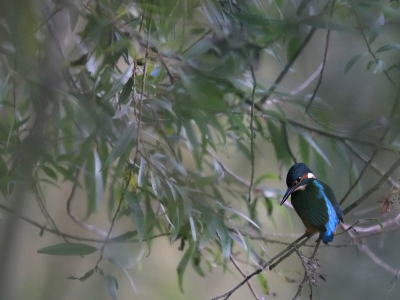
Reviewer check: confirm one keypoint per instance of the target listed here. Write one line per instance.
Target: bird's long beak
(288, 192)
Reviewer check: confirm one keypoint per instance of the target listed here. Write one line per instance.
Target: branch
(373, 165)
(307, 276)
(323, 64)
(288, 66)
(370, 50)
(74, 218)
(259, 270)
(373, 189)
(70, 236)
(244, 275)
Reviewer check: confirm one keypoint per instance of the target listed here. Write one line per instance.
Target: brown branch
(259, 270)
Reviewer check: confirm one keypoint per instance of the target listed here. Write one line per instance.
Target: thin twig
(288, 66)
(370, 50)
(373, 165)
(323, 64)
(76, 219)
(374, 188)
(244, 275)
(259, 270)
(306, 274)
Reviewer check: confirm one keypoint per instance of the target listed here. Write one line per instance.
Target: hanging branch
(321, 73)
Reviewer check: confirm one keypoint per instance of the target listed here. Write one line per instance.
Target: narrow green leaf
(226, 241)
(263, 283)
(121, 145)
(112, 285)
(182, 266)
(68, 249)
(292, 47)
(388, 47)
(124, 237)
(302, 6)
(265, 176)
(137, 213)
(93, 182)
(122, 80)
(192, 138)
(315, 146)
(377, 222)
(49, 172)
(304, 149)
(351, 62)
(196, 259)
(193, 228)
(160, 103)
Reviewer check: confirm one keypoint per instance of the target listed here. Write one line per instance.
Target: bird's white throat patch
(303, 187)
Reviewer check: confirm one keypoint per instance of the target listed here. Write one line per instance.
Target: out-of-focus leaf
(351, 62)
(226, 241)
(126, 91)
(263, 283)
(192, 138)
(112, 285)
(49, 172)
(265, 176)
(278, 140)
(241, 215)
(93, 182)
(315, 146)
(377, 222)
(369, 65)
(68, 249)
(182, 266)
(160, 103)
(121, 81)
(304, 149)
(193, 228)
(388, 47)
(137, 213)
(376, 29)
(121, 145)
(292, 47)
(124, 237)
(302, 6)
(196, 259)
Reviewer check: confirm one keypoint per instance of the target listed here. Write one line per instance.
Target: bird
(314, 201)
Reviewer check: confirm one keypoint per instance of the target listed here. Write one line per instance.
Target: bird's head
(294, 178)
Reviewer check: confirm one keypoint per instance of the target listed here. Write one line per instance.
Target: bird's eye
(298, 179)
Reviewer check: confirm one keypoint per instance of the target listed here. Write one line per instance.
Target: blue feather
(331, 225)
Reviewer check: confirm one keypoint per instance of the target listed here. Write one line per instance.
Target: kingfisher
(314, 202)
